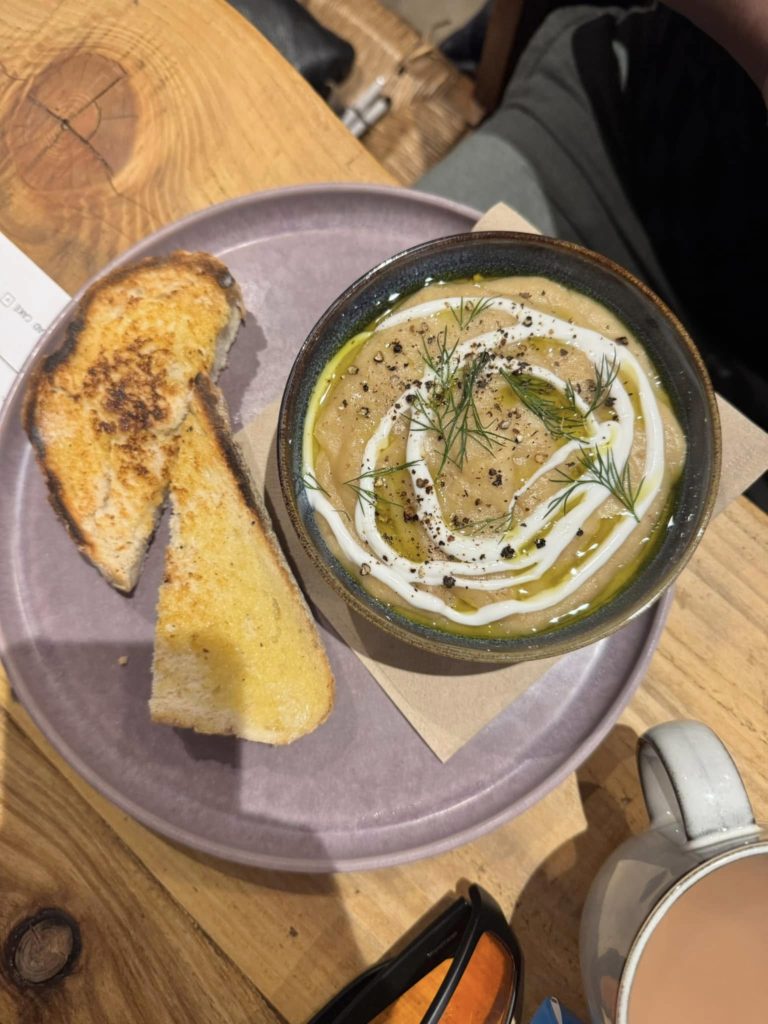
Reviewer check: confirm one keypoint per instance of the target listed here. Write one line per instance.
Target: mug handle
(690, 779)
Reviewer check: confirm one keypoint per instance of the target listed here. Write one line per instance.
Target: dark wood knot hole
(43, 948)
(76, 123)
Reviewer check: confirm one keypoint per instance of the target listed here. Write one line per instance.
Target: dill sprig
(465, 421)
(311, 483)
(605, 374)
(469, 310)
(451, 412)
(444, 364)
(558, 414)
(500, 524)
(367, 495)
(599, 468)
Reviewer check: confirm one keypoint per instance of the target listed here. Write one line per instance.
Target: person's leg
(633, 133)
(543, 153)
(484, 169)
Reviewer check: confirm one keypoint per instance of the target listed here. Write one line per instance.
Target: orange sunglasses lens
(483, 995)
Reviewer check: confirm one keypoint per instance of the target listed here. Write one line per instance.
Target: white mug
(701, 819)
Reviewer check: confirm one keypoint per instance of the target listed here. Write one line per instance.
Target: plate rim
(298, 865)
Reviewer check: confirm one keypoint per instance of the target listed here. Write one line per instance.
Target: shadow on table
(306, 918)
(312, 948)
(547, 913)
(95, 697)
(326, 902)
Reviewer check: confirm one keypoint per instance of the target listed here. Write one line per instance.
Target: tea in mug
(707, 960)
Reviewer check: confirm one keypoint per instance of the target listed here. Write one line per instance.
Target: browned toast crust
(116, 406)
(204, 262)
(218, 418)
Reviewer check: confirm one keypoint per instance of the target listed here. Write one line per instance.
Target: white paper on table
(29, 301)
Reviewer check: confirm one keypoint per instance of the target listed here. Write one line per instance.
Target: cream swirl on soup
(481, 458)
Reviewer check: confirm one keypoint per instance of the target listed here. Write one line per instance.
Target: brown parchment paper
(441, 697)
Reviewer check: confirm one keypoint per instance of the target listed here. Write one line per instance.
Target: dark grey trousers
(543, 153)
(630, 132)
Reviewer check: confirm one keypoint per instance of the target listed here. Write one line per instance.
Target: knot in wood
(75, 124)
(42, 948)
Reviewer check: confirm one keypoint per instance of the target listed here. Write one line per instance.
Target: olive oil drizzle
(444, 401)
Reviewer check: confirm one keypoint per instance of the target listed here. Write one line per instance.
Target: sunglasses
(465, 966)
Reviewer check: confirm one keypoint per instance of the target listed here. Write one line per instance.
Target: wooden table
(117, 117)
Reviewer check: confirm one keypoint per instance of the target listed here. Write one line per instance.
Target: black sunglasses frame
(455, 933)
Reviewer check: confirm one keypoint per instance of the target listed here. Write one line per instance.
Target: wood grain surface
(118, 117)
(167, 934)
(142, 956)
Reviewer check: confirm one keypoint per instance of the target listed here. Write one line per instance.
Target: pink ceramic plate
(362, 791)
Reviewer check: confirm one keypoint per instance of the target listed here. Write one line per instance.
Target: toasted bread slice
(236, 649)
(103, 411)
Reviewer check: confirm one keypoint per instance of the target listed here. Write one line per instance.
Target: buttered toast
(103, 412)
(236, 649)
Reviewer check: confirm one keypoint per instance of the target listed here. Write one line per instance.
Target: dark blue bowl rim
(656, 574)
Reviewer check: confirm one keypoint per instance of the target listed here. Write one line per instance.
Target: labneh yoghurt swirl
(482, 360)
